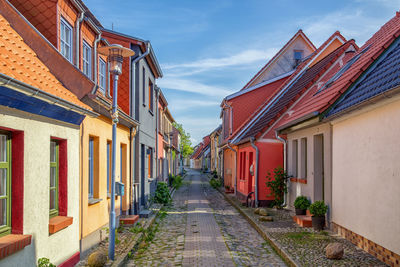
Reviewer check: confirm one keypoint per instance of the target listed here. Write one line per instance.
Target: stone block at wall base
(92, 240)
(381, 253)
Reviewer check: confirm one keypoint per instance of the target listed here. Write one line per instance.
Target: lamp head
(115, 54)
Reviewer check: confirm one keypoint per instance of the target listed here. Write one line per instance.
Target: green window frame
(54, 172)
(5, 183)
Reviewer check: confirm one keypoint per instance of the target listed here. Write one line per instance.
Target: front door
(319, 167)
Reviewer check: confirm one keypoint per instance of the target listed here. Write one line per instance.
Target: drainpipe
(157, 97)
(95, 72)
(234, 150)
(137, 60)
(255, 169)
(285, 202)
(78, 39)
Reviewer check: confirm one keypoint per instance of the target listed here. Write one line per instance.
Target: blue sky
(209, 49)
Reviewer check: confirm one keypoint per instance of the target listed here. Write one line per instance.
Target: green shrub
(45, 262)
(215, 183)
(177, 182)
(302, 203)
(318, 208)
(162, 195)
(278, 185)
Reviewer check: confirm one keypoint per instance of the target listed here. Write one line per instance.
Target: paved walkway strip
(204, 244)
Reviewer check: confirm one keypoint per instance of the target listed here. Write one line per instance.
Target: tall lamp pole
(115, 54)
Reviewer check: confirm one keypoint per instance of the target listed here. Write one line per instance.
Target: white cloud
(182, 104)
(352, 23)
(243, 58)
(192, 86)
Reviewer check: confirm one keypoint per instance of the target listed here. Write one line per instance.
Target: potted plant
(318, 210)
(301, 205)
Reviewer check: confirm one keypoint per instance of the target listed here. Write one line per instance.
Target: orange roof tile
(20, 62)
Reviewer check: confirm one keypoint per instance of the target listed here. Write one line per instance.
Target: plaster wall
(308, 188)
(229, 167)
(95, 216)
(366, 174)
(38, 130)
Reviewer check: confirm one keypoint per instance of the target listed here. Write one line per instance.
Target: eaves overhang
(300, 123)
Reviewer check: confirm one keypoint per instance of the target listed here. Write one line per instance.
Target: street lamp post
(115, 54)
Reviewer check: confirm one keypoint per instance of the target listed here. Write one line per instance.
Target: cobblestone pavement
(247, 247)
(202, 229)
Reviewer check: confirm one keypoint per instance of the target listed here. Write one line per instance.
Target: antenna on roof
(112, 26)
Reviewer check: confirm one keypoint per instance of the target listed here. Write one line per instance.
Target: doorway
(142, 175)
(319, 167)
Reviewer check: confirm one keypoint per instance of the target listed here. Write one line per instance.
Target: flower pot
(300, 212)
(318, 222)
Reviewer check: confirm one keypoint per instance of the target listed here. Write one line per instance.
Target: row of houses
(56, 131)
(330, 116)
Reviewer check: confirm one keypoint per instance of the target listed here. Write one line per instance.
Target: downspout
(95, 71)
(157, 97)
(255, 169)
(78, 39)
(136, 60)
(234, 150)
(285, 202)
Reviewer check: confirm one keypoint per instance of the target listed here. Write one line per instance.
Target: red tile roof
(321, 101)
(299, 32)
(300, 68)
(20, 62)
(308, 79)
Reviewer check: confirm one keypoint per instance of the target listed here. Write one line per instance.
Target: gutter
(296, 121)
(28, 89)
(256, 169)
(285, 202)
(234, 150)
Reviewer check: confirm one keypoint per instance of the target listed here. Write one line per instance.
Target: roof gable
(318, 102)
(327, 45)
(382, 77)
(283, 61)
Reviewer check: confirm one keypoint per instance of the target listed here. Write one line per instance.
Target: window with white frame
(66, 39)
(87, 59)
(102, 76)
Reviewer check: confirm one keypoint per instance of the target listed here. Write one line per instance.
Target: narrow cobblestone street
(201, 228)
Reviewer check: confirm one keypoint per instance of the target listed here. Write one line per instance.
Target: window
(91, 166)
(144, 86)
(87, 59)
(294, 159)
(102, 76)
(54, 178)
(151, 96)
(108, 168)
(66, 40)
(303, 159)
(5, 184)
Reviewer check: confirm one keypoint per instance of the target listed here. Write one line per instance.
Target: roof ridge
(300, 31)
(299, 68)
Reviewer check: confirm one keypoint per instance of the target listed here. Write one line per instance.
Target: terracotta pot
(318, 222)
(300, 212)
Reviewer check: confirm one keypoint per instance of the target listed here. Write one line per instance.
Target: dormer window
(87, 59)
(66, 39)
(298, 56)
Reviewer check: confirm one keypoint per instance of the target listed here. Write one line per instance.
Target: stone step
(144, 213)
(303, 220)
(129, 219)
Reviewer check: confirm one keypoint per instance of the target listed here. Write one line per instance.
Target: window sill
(151, 179)
(93, 201)
(58, 223)
(298, 180)
(10, 244)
